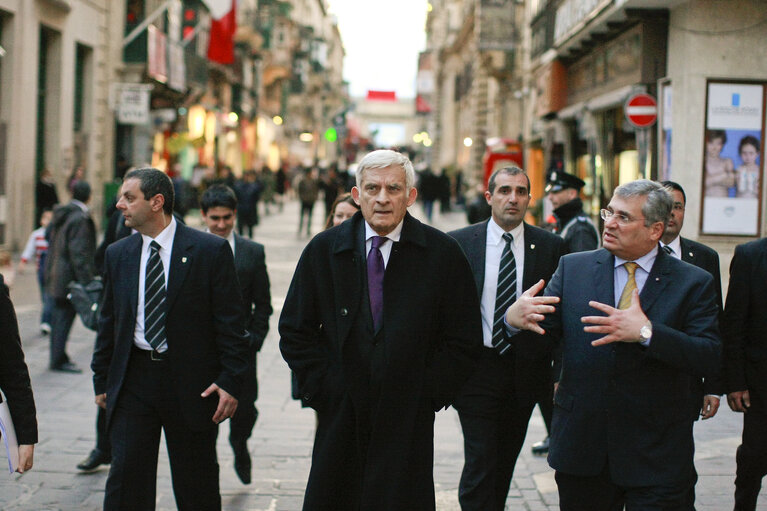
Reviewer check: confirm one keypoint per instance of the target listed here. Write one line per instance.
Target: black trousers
(242, 423)
(494, 423)
(751, 456)
(62, 319)
(148, 405)
(599, 493)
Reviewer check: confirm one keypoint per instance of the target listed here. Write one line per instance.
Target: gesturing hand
(529, 310)
(619, 325)
(227, 404)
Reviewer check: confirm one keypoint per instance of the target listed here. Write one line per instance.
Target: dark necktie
(375, 280)
(668, 250)
(154, 299)
(505, 295)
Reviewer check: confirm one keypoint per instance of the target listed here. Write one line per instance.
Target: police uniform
(573, 225)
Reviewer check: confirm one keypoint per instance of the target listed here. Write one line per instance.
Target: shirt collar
(394, 235)
(80, 205)
(676, 245)
(165, 238)
(495, 233)
(229, 238)
(645, 262)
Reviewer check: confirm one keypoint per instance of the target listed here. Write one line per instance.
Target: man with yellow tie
(633, 323)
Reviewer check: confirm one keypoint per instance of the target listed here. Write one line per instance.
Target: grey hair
(383, 158)
(659, 202)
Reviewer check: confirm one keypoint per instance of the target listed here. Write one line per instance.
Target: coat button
(344, 311)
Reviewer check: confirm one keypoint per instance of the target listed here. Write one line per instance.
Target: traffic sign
(641, 110)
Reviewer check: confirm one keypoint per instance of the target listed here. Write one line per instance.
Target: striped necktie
(667, 249)
(631, 285)
(154, 299)
(505, 294)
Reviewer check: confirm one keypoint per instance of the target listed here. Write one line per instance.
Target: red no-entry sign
(641, 110)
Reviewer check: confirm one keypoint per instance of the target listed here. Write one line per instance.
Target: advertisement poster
(732, 159)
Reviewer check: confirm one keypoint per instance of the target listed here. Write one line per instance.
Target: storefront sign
(733, 148)
(133, 103)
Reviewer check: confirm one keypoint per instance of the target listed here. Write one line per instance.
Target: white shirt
(621, 275)
(229, 238)
(385, 247)
(676, 246)
(165, 240)
(493, 252)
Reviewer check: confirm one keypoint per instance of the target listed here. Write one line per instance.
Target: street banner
(733, 164)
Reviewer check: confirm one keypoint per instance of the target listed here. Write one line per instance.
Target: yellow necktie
(631, 285)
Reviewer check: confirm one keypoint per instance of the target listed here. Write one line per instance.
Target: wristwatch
(646, 332)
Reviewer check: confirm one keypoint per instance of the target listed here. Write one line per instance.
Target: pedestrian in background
(46, 196)
(15, 383)
(308, 188)
(248, 191)
(219, 209)
(381, 325)
(72, 246)
(37, 249)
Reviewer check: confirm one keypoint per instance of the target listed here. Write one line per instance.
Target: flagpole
(142, 26)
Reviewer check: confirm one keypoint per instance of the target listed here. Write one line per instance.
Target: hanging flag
(222, 27)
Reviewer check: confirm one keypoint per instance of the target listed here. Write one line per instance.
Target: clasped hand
(618, 325)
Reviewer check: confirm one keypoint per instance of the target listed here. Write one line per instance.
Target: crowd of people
(621, 338)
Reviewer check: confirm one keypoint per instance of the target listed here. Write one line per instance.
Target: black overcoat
(432, 338)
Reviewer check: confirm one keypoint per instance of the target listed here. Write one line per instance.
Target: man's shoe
(66, 367)
(242, 462)
(94, 460)
(541, 448)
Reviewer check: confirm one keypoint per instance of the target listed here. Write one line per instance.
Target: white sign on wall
(133, 105)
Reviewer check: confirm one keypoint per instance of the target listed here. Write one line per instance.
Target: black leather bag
(86, 299)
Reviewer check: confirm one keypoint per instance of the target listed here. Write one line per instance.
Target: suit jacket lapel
(656, 282)
(476, 251)
(180, 261)
(347, 267)
(604, 278)
(687, 254)
(131, 261)
(532, 246)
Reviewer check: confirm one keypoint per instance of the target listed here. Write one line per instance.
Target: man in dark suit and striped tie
(506, 256)
(170, 352)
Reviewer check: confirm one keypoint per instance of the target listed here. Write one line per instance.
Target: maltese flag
(222, 26)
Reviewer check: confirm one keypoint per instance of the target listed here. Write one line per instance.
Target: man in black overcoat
(381, 326)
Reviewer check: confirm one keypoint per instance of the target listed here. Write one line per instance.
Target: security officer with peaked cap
(575, 226)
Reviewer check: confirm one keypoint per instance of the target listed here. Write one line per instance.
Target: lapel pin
(690, 254)
(657, 279)
(532, 246)
(183, 259)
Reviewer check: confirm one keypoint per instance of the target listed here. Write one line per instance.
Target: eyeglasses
(622, 219)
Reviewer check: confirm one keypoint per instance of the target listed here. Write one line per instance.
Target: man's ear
(356, 195)
(411, 196)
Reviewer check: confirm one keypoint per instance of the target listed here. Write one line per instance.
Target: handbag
(86, 300)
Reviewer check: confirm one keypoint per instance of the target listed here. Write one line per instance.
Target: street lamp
(467, 141)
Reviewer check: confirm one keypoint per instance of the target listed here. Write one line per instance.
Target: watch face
(645, 332)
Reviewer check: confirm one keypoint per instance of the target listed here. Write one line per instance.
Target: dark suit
(250, 264)
(205, 331)
(375, 393)
(707, 259)
(72, 245)
(14, 375)
(744, 331)
(496, 403)
(622, 410)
